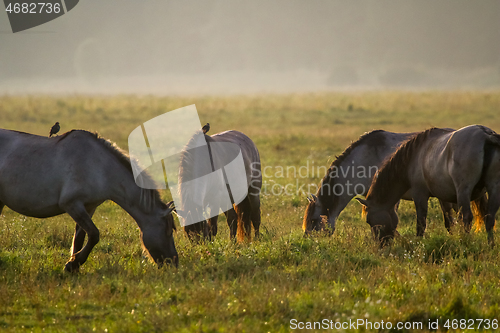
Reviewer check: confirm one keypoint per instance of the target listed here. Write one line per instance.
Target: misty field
(267, 284)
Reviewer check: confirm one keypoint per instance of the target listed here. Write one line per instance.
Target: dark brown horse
(454, 166)
(201, 201)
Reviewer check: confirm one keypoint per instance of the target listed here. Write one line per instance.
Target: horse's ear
(175, 210)
(170, 208)
(312, 198)
(363, 202)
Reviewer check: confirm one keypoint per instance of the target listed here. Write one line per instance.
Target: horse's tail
(493, 138)
(479, 209)
(480, 206)
(492, 144)
(244, 212)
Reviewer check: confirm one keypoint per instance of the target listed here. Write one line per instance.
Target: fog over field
(163, 47)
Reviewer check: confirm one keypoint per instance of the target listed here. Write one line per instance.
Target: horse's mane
(186, 163)
(308, 214)
(149, 197)
(329, 180)
(187, 160)
(396, 165)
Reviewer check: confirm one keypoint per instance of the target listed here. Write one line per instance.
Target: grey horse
(454, 166)
(241, 215)
(74, 173)
(351, 174)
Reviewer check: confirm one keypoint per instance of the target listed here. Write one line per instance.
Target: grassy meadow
(258, 287)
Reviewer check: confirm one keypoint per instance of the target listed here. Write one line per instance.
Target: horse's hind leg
(465, 211)
(255, 215)
(447, 207)
(244, 211)
(232, 222)
(78, 212)
(493, 206)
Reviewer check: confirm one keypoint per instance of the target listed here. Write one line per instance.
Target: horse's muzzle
(169, 261)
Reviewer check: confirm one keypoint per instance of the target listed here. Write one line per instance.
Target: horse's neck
(392, 198)
(388, 197)
(341, 179)
(137, 202)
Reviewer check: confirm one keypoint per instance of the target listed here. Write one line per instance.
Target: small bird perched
(206, 128)
(54, 129)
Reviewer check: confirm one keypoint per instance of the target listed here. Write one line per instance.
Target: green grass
(257, 287)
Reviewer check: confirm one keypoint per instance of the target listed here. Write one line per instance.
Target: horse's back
(247, 146)
(467, 149)
(37, 173)
(38, 155)
(462, 149)
(236, 137)
(372, 149)
(391, 140)
(249, 151)
(452, 160)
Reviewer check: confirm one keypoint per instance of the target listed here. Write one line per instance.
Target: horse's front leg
(396, 206)
(421, 208)
(446, 208)
(78, 240)
(82, 218)
(79, 236)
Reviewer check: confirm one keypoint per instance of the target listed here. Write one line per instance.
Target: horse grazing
(240, 216)
(351, 174)
(454, 166)
(74, 173)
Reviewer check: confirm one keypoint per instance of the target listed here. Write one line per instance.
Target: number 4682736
(471, 324)
(33, 8)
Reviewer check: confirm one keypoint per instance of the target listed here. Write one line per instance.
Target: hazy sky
(175, 46)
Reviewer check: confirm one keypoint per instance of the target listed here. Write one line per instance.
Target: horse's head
(383, 222)
(157, 237)
(314, 216)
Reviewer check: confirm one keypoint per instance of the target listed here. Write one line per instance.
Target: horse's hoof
(71, 267)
